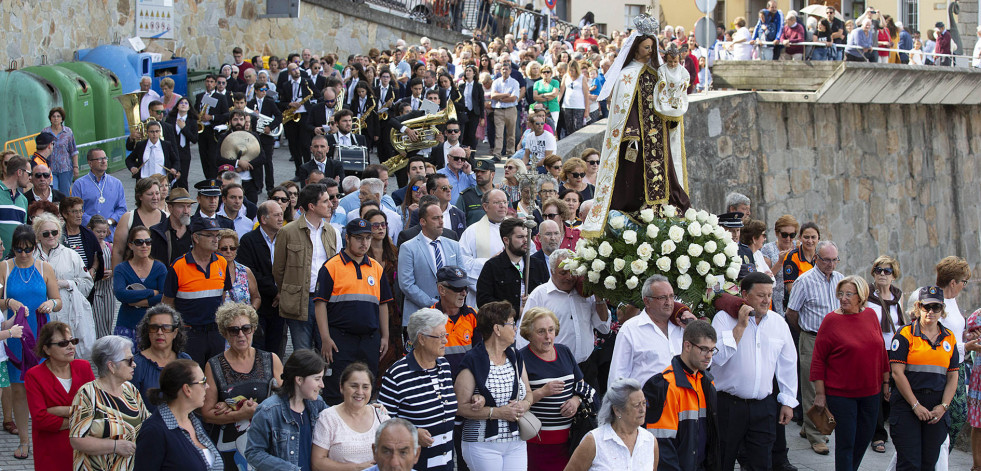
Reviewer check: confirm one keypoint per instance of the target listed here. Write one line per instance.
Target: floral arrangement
(691, 250)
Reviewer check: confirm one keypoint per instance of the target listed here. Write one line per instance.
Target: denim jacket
(274, 437)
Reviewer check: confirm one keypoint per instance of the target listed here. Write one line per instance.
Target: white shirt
(894, 317)
(506, 84)
(468, 95)
(468, 253)
(153, 160)
(577, 318)
(537, 146)
(742, 51)
(319, 252)
(298, 94)
(345, 139)
(613, 455)
(177, 130)
(746, 369)
(642, 350)
(447, 222)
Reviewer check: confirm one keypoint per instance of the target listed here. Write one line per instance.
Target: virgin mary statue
(639, 166)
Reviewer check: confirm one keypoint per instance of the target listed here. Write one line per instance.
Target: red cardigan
(44, 391)
(849, 355)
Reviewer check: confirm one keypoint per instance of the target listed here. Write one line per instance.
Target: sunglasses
(546, 71)
(165, 328)
(42, 175)
(245, 329)
(330, 102)
(882, 271)
(577, 174)
(293, 194)
(64, 343)
(141, 242)
(453, 131)
(538, 123)
(551, 215)
(47, 234)
(23, 250)
(281, 199)
(131, 361)
(788, 235)
(459, 159)
(455, 289)
(556, 167)
(934, 307)
(592, 162)
(446, 187)
(227, 248)
(416, 187)
(379, 225)
(333, 197)
(203, 381)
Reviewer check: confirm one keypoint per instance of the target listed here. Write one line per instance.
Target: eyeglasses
(233, 330)
(98, 159)
(546, 71)
(446, 187)
(281, 199)
(539, 123)
(512, 324)
(379, 225)
(438, 337)
(882, 271)
(933, 307)
(165, 328)
(330, 102)
(131, 361)
(662, 298)
(829, 260)
(202, 382)
(547, 192)
(787, 235)
(23, 249)
(228, 248)
(706, 350)
(42, 175)
(53, 233)
(64, 343)
(453, 131)
(142, 242)
(75, 212)
(551, 215)
(577, 174)
(846, 294)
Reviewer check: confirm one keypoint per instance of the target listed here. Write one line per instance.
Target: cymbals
(240, 145)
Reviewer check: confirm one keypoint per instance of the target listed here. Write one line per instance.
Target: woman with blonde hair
(170, 98)
(573, 177)
(575, 98)
(510, 186)
(592, 158)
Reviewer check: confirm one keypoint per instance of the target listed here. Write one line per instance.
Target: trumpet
(290, 115)
(339, 105)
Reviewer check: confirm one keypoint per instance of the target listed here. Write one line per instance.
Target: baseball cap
(453, 276)
(358, 226)
(199, 224)
(44, 139)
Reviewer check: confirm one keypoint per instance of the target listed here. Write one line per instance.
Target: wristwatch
(944, 405)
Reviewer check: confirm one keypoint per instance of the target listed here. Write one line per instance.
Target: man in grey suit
(425, 254)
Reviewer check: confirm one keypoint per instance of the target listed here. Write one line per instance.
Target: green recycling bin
(110, 120)
(26, 101)
(195, 81)
(77, 98)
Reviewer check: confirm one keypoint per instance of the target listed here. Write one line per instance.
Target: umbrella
(819, 11)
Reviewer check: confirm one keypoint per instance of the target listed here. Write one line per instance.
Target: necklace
(20, 273)
(102, 199)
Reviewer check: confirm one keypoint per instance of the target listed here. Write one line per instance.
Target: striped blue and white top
(541, 372)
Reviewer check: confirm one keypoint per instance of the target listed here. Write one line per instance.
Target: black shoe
(785, 466)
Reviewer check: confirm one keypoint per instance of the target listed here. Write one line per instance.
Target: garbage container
(110, 120)
(127, 64)
(176, 69)
(195, 81)
(27, 98)
(77, 98)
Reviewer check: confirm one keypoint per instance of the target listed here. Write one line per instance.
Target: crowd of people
(433, 326)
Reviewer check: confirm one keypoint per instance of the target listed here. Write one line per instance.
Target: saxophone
(290, 115)
(359, 124)
(204, 110)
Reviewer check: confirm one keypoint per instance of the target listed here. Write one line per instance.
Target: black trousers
(299, 140)
(351, 348)
(917, 443)
(747, 425)
(208, 148)
(251, 189)
(185, 166)
(470, 130)
(272, 330)
(268, 146)
(880, 424)
(203, 342)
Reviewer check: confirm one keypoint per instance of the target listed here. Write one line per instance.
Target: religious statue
(642, 164)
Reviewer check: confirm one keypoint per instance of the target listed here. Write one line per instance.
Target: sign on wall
(155, 19)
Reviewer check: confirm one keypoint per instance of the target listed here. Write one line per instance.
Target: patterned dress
(96, 413)
(240, 287)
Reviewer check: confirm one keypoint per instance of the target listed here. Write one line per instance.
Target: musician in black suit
(251, 171)
(265, 106)
(283, 78)
(291, 97)
(321, 117)
(319, 80)
(183, 120)
(157, 113)
(253, 252)
(388, 89)
(401, 111)
(471, 105)
(153, 155)
(364, 107)
(320, 160)
(207, 144)
(344, 136)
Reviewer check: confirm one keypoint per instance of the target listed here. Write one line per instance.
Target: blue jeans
(62, 181)
(305, 334)
(821, 54)
(855, 423)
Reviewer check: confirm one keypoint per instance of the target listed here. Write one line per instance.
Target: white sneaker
(276, 145)
(485, 141)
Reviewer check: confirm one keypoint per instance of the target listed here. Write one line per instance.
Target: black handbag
(582, 423)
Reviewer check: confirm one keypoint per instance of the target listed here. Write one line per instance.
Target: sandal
(10, 427)
(879, 446)
(26, 454)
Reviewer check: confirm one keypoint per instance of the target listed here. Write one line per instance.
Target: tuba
(426, 130)
(131, 107)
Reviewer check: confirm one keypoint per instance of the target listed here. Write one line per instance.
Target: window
(910, 14)
(629, 12)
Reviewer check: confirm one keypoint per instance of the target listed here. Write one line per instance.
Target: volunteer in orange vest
(451, 285)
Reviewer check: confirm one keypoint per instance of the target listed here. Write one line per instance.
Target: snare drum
(353, 158)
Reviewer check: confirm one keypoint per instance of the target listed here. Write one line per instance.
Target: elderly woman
(621, 435)
(161, 341)
(552, 166)
(557, 387)
(556, 210)
(925, 379)
(107, 412)
(592, 158)
(511, 186)
(173, 439)
(74, 282)
(344, 433)
(574, 177)
(419, 388)
(526, 206)
(784, 232)
(849, 370)
(496, 372)
(245, 288)
(146, 214)
(281, 434)
(138, 283)
(238, 379)
(886, 301)
(63, 160)
(51, 387)
(170, 98)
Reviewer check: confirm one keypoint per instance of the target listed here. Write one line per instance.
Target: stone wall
(877, 179)
(207, 30)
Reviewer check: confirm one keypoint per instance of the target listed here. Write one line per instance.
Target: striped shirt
(814, 297)
(13, 212)
(427, 400)
(555, 427)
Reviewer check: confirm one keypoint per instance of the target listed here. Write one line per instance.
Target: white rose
(647, 215)
(711, 281)
(727, 236)
(663, 264)
(645, 251)
(570, 264)
(610, 282)
(632, 282)
(694, 250)
(676, 234)
(702, 216)
(683, 282)
(732, 273)
(581, 244)
(691, 214)
(618, 264)
(720, 260)
(588, 254)
(719, 232)
(580, 271)
(711, 246)
(593, 277)
(652, 231)
(731, 250)
(713, 220)
(598, 265)
(605, 249)
(630, 237)
(695, 229)
(669, 211)
(667, 247)
(683, 263)
(638, 267)
(703, 267)
(616, 222)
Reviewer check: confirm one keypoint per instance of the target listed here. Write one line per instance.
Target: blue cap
(358, 226)
(199, 223)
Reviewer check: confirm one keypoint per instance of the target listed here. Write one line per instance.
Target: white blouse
(612, 454)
